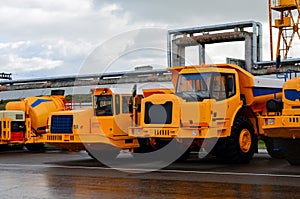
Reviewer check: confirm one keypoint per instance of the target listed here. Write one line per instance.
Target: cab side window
(125, 104)
(218, 89)
(223, 86)
(230, 85)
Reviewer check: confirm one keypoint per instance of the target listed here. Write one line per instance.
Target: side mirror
(130, 105)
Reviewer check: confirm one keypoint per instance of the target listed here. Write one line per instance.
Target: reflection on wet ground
(22, 185)
(75, 175)
(78, 187)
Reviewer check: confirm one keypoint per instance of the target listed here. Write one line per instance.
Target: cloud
(127, 50)
(51, 38)
(19, 65)
(64, 31)
(23, 56)
(51, 19)
(194, 11)
(33, 64)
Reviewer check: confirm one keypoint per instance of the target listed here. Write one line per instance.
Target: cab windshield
(210, 85)
(103, 105)
(194, 87)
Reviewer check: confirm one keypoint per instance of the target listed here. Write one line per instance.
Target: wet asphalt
(61, 174)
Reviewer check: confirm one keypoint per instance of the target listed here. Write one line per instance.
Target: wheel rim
(245, 140)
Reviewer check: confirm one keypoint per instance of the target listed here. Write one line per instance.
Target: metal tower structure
(283, 16)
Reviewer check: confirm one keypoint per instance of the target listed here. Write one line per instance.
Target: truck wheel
(178, 152)
(241, 145)
(103, 153)
(104, 157)
(292, 150)
(184, 156)
(91, 155)
(35, 147)
(273, 150)
(145, 146)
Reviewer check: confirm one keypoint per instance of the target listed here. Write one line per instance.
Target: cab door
(224, 99)
(122, 119)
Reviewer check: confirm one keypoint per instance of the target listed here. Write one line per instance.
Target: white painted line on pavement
(13, 166)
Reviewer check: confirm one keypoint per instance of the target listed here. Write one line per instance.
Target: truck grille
(54, 138)
(61, 124)
(162, 132)
(158, 113)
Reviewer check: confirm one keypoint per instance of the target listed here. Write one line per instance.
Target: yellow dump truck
(282, 124)
(212, 105)
(102, 127)
(24, 121)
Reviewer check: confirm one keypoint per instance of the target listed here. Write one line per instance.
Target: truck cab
(103, 124)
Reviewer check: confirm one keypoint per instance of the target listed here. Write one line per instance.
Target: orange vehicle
(215, 107)
(282, 124)
(100, 127)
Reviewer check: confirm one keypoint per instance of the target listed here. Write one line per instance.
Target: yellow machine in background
(210, 102)
(13, 127)
(24, 121)
(283, 121)
(103, 125)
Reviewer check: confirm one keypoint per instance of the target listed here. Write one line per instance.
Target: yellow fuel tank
(38, 109)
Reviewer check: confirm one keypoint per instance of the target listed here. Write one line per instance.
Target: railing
(5, 76)
(70, 104)
(5, 129)
(289, 74)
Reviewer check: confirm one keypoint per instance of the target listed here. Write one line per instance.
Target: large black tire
(184, 156)
(274, 150)
(241, 145)
(103, 153)
(178, 152)
(35, 147)
(145, 146)
(91, 155)
(292, 150)
(163, 150)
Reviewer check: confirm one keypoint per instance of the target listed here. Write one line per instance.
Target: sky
(48, 38)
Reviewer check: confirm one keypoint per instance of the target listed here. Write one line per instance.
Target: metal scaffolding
(283, 16)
